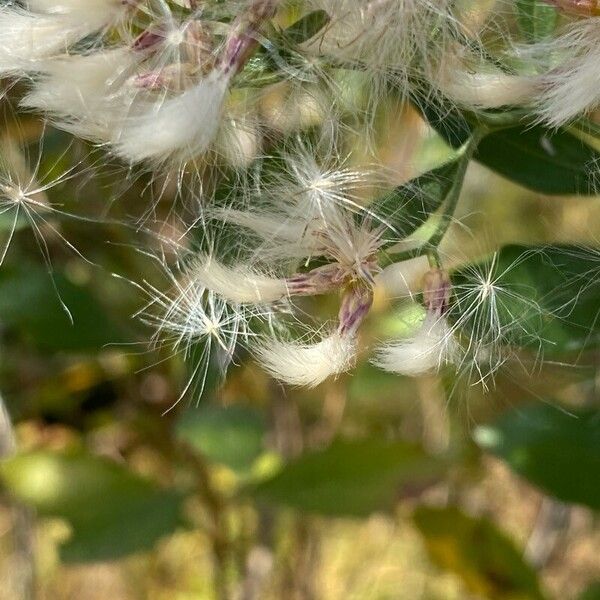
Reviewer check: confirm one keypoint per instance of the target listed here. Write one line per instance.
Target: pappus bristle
(237, 283)
(49, 28)
(24, 197)
(572, 87)
(493, 317)
(426, 350)
(300, 363)
(191, 320)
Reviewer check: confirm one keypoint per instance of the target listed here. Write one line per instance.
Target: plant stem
(430, 248)
(455, 191)
(433, 256)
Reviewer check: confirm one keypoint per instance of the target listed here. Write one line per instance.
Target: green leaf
(443, 117)
(30, 303)
(408, 206)
(537, 157)
(307, 27)
(543, 298)
(592, 592)
(351, 478)
(112, 511)
(232, 435)
(537, 19)
(485, 559)
(556, 450)
(541, 159)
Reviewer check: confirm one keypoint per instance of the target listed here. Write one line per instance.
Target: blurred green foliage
(251, 471)
(112, 511)
(555, 449)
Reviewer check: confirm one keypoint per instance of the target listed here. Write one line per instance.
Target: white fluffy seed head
(389, 38)
(179, 127)
(429, 348)
(476, 89)
(76, 7)
(573, 87)
(293, 228)
(123, 96)
(239, 284)
(189, 314)
(312, 210)
(82, 92)
(307, 365)
(485, 303)
(19, 184)
(28, 37)
(317, 189)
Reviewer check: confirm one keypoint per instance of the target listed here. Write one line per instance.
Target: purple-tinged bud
(170, 77)
(152, 80)
(356, 303)
(242, 40)
(148, 39)
(321, 280)
(437, 291)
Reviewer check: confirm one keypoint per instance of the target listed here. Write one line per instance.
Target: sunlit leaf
(351, 478)
(534, 156)
(485, 559)
(557, 450)
(112, 511)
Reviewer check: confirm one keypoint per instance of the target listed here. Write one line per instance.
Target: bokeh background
(121, 492)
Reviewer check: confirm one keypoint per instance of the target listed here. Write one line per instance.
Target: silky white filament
(301, 364)
(83, 93)
(573, 87)
(238, 284)
(27, 37)
(179, 127)
(485, 89)
(429, 348)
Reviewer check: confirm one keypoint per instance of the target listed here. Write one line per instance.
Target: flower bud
(242, 40)
(170, 77)
(321, 280)
(437, 290)
(356, 303)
